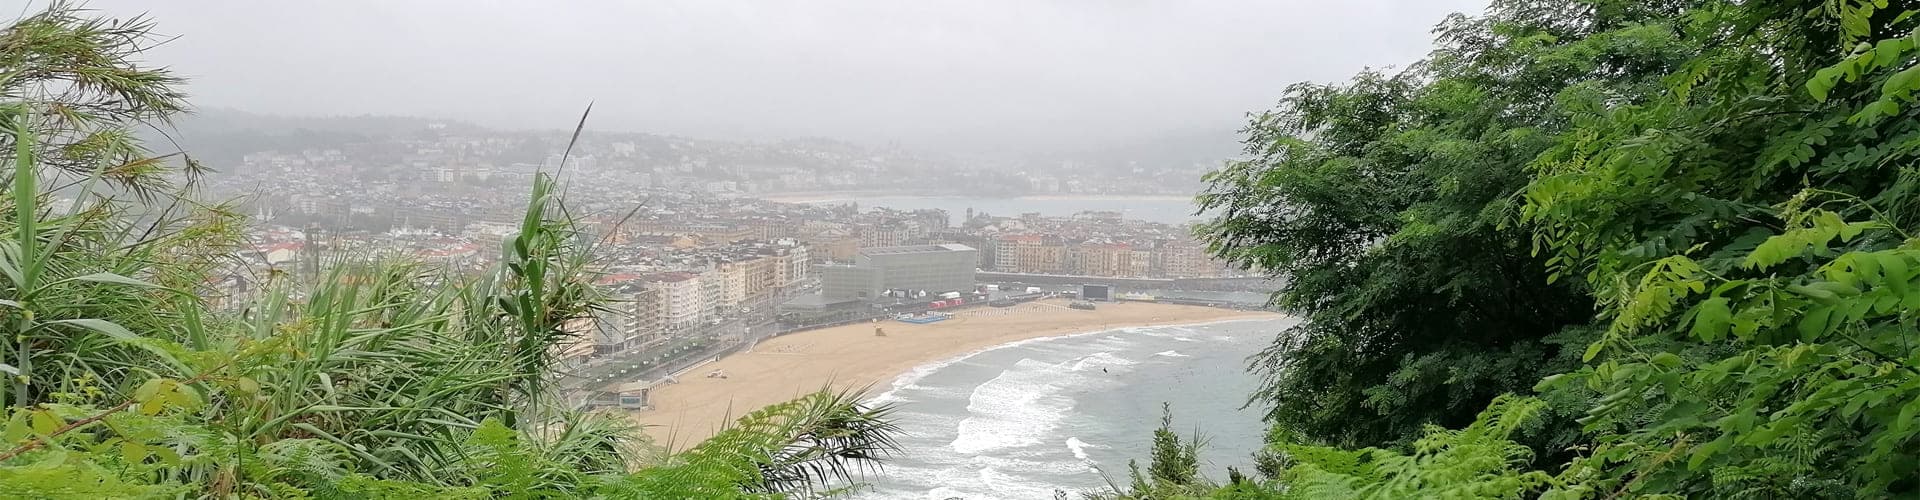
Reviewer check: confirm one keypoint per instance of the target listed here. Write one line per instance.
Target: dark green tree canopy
(1388, 201)
(1717, 197)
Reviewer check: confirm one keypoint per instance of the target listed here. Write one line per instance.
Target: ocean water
(1021, 420)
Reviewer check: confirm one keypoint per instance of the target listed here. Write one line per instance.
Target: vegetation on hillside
(1596, 249)
(1587, 249)
(371, 380)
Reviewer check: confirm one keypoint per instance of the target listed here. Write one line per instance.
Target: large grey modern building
(914, 268)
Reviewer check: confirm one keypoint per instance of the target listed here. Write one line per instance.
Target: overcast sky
(954, 75)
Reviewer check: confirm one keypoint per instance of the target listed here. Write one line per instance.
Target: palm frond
(803, 446)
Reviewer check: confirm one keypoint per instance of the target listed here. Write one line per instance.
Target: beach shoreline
(853, 357)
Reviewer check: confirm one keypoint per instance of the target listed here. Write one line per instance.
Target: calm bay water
(1021, 420)
(1170, 210)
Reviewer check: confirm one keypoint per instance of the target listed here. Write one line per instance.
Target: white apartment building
(684, 299)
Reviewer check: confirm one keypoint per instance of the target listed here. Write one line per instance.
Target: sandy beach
(851, 356)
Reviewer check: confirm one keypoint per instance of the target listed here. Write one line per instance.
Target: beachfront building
(638, 318)
(849, 282)
(1184, 258)
(1102, 259)
(793, 263)
(732, 277)
(712, 288)
(932, 269)
(683, 300)
(916, 268)
(1031, 253)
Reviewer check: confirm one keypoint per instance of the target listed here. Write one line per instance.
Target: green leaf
(1549, 382)
(184, 396)
(1711, 319)
(109, 328)
(16, 429)
(133, 452)
(111, 278)
(247, 385)
(1814, 323)
(1821, 295)
(1593, 350)
(1902, 84)
(148, 390)
(1887, 51)
(1907, 414)
(1894, 266)
(165, 455)
(1822, 83)
(45, 423)
(1707, 450)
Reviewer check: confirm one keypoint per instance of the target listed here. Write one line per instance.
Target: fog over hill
(996, 77)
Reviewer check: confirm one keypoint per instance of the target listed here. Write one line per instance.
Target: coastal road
(634, 365)
(705, 342)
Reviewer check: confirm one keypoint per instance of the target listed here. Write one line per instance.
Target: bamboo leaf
(110, 278)
(108, 328)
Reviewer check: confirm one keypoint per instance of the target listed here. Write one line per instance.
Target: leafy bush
(369, 380)
(1729, 183)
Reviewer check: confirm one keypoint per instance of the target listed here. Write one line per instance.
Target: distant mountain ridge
(220, 136)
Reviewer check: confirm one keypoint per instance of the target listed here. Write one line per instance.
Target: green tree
(1173, 466)
(1386, 202)
(1749, 236)
(1743, 221)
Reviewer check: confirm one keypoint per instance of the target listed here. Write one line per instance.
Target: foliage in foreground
(1742, 221)
(370, 380)
(1385, 202)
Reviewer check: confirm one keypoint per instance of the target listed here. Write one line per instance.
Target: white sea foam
(1101, 360)
(1014, 409)
(977, 477)
(1158, 333)
(1019, 435)
(922, 371)
(1170, 354)
(1079, 448)
(998, 483)
(1025, 403)
(1008, 438)
(1012, 477)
